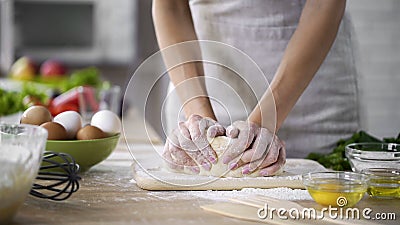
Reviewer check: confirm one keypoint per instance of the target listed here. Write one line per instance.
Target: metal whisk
(58, 177)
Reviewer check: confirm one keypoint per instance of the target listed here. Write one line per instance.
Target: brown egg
(55, 131)
(90, 132)
(36, 115)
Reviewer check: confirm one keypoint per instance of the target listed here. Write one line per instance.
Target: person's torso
(262, 30)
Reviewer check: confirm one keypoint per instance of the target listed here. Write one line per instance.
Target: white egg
(71, 121)
(106, 121)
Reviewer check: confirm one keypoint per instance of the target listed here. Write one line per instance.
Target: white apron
(328, 109)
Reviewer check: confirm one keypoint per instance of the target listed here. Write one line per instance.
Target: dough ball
(220, 145)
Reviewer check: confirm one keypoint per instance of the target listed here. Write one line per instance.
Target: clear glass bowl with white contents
(21, 152)
(373, 155)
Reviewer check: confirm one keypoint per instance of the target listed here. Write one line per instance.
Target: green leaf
(364, 137)
(336, 159)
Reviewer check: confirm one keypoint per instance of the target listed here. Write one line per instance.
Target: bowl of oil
(383, 182)
(336, 189)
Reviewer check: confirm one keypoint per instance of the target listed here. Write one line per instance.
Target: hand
(187, 145)
(254, 147)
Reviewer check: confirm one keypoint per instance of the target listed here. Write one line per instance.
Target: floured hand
(187, 147)
(220, 145)
(254, 148)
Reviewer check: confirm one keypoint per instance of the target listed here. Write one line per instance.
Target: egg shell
(36, 115)
(55, 131)
(71, 121)
(106, 121)
(90, 132)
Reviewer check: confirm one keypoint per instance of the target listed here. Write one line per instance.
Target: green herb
(12, 101)
(33, 91)
(89, 76)
(337, 160)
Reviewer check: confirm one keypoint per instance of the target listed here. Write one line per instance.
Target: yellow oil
(384, 188)
(331, 192)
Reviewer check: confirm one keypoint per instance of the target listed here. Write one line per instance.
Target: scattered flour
(282, 193)
(132, 181)
(279, 193)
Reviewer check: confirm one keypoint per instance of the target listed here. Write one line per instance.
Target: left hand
(254, 147)
(187, 145)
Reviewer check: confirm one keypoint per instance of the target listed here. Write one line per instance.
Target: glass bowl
(336, 189)
(383, 182)
(373, 155)
(21, 152)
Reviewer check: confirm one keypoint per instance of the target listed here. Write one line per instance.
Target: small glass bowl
(336, 189)
(373, 155)
(383, 182)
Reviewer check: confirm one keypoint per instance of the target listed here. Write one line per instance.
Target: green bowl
(86, 153)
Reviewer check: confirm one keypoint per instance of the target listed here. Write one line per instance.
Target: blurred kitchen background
(116, 36)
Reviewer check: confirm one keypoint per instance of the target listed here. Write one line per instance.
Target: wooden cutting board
(150, 174)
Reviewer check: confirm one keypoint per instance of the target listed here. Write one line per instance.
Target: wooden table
(109, 195)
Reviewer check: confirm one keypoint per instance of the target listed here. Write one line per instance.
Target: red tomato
(62, 108)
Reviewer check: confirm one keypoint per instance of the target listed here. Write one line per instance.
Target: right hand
(187, 145)
(254, 147)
